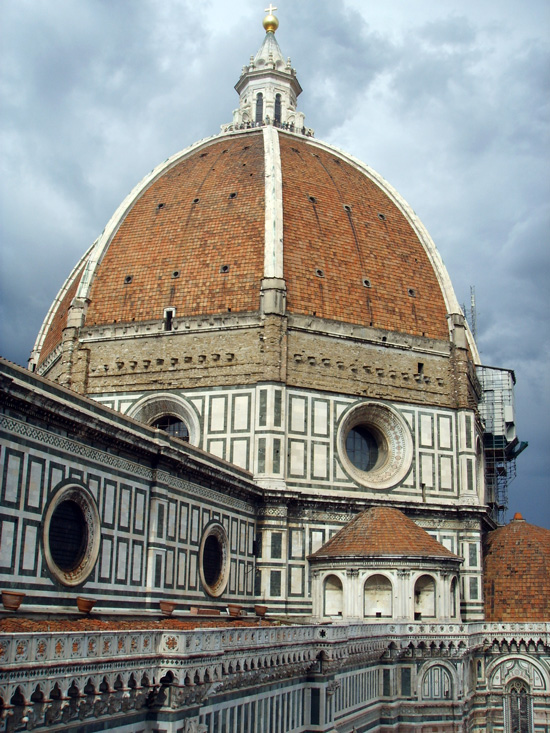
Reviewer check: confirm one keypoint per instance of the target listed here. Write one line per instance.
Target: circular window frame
(395, 445)
(217, 530)
(81, 496)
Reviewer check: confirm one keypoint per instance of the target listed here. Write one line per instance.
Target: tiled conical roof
(382, 531)
(517, 573)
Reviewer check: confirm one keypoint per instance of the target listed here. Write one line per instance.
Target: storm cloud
(448, 101)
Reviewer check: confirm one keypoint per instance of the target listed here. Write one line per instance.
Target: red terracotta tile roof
(382, 532)
(203, 214)
(371, 241)
(20, 624)
(207, 213)
(517, 573)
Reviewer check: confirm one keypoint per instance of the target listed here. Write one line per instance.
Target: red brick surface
(382, 531)
(195, 239)
(165, 232)
(351, 246)
(517, 573)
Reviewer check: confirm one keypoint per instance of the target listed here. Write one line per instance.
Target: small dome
(382, 532)
(517, 573)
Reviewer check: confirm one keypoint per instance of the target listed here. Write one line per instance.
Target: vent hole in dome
(203, 155)
(294, 150)
(312, 199)
(246, 147)
(224, 151)
(382, 217)
(176, 273)
(128, 279)
(367, 282)
(412, 292)
(319, 273)
(347, 208)
(196, 201)
(160, 206)
(233, 195)
(224, 269)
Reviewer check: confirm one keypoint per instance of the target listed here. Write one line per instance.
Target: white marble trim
(273, 253)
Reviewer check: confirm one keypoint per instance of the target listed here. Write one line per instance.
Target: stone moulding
(177, 669)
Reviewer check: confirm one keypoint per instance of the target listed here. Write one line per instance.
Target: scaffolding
(500, 441)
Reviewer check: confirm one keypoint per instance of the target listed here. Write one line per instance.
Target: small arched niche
(378, 597)
(333, 596)
(424, 597)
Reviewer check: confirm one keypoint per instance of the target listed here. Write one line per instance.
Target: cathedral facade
(257, 391)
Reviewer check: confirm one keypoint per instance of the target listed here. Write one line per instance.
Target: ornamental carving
(391, 436)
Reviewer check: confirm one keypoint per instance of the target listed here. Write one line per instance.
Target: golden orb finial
(270, 23)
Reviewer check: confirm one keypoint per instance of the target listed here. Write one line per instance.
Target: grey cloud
(449, 104)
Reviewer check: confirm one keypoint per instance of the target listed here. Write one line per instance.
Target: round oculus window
(375, 445)
(71, 534)
(214, 560)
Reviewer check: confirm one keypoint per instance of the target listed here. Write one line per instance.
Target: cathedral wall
(290, 440)
(289, 437)
(142, 508)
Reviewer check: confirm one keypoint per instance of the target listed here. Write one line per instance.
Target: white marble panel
(106, 551)
(12, 473)
(298, 415)
(29, 548)
(240, 407)
(6, 543)
(240, 453)
(136, 563)
(446, 472)
(217, 413)
(426, 430)
(297, 543)
(320, 417)
(122, 560)
(320, 463)
(216, 447)
(297, 458)
(36, 472)
(139, 519)
(445, 432)
(426, 466)
(296, 580)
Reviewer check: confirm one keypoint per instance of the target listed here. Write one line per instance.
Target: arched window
(519, 707)
(424, 597)
(437, 684)
(260, 108)
(173, 426)
(333, 596)
(378, 597)
(277, 108)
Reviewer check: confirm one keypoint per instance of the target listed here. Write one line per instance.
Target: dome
(261, 218)
(382, 532)
(517, 573)
(202, 232)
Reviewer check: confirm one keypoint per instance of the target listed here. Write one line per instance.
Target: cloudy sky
(447, 100)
